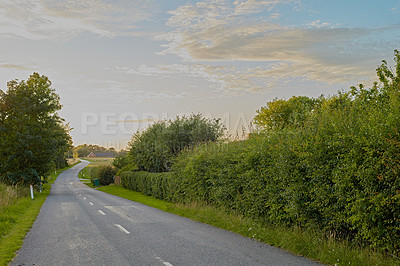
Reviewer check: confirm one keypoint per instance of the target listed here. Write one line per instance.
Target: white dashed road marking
(166, 263)
(91, 203)
(84, 198)
(101, 212)
(120, 227)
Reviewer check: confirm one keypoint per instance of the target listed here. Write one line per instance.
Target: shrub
(337, 171)
(159, 185)
(106, 174)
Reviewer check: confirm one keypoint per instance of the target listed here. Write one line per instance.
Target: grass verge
(17, 219)
(308, 243)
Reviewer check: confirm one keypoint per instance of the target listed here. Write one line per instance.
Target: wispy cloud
(318, 24)
(222, 31)
(46, 19)
(236, 80)
(14, 66)
(137, 120)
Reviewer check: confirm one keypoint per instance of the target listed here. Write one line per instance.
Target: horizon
(119, 66)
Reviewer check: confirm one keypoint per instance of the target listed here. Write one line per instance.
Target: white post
(31, 192)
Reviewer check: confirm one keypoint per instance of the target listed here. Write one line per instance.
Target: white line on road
(91, 203)
(166, 263)
(120, 227)
(101, 212)
(84, 198)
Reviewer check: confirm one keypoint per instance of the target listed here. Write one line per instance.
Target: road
(78, 225)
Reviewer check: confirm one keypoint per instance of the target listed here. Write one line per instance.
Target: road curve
(78, 225)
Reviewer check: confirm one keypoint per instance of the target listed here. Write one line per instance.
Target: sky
(120, 65)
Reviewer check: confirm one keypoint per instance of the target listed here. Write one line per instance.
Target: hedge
(159, 185)
(337, 172)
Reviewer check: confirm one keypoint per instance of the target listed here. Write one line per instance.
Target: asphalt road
(79, 225)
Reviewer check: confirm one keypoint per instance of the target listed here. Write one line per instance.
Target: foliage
(121, 161)
(33, 138)
(281, 113)
(159, 185)
(338, 172)
(106, 174)
(154, 149)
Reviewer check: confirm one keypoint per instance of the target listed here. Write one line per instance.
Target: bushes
(334, 184)
(337, 171)
(154, 149)
(106, 174)
(159, 185)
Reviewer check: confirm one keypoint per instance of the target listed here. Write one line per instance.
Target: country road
(79, 225)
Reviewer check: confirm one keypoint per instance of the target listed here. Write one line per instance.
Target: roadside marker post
(31, 191)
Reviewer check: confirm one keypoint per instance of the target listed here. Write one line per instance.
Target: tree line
(84, 150)
(33, 137)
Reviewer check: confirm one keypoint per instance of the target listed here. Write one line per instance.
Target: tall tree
(155, 148)
(278, 114)
(33, 137)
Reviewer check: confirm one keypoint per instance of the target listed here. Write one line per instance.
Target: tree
(84, 150)
(106, 174)
(33, 138)
(155, 148)
(282, 113)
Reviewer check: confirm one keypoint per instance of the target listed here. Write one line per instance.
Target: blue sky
(120, 64)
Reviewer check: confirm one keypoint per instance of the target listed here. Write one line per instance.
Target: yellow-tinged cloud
(138, 120)
(13, 66)
(221, 31)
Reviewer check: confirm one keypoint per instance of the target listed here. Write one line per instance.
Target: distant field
(98, 161)
(88, 172)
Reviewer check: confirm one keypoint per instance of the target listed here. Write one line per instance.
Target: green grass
(17, 218)
(16, 221)
(306, 243)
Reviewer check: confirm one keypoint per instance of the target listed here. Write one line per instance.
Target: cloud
(14, 66)
(218, 31)
(318, 24)
(137, 120)
(64, 19)
(236, 80)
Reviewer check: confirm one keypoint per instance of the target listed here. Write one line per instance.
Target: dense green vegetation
(155, 148)
(33, 144)
(159, 185)
(33, 137)
(329, 164)
(92, 171)
(106, 174)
